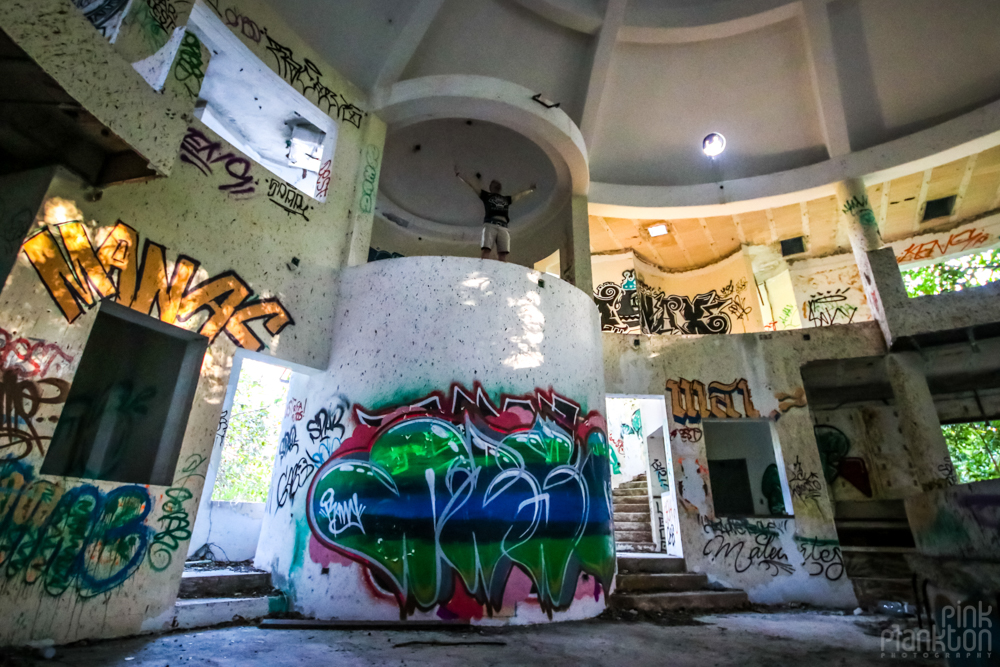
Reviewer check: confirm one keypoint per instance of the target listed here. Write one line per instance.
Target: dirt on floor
(781, 637)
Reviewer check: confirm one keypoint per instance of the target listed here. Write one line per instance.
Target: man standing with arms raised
(497, 215)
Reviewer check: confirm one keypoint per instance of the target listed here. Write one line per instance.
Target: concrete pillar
(929, 460)
(362, 211)
(880, 277)
(862, 223)
(575, 265)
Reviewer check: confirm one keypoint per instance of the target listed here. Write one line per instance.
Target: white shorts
(495, 235)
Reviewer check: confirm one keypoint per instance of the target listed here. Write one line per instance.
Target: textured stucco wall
(436, 344)
(211, 218)
(752, 376)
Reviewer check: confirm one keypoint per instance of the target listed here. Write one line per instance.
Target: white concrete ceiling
(418, 169)
(790, 83)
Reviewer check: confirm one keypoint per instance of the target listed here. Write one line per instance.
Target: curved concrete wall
(452, 462)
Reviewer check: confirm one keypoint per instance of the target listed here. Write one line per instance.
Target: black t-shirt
(497, 207)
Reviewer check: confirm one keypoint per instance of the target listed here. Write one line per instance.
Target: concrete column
(862, 223)
(880, 277)
(366, 191)
(575, 265)
(929, 460)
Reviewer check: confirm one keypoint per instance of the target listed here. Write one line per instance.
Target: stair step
(631, 516)
(876, 564)
(633, 526)
(699, 600)
(222, 583)
(635, 547)
(206, 612)
(631, 504)
(660, 583)
(634, 535)
(870, 590)
(628, 493)
(651, 565)
(642, 484)
(864, 524)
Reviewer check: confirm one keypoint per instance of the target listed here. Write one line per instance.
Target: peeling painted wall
(421, 482)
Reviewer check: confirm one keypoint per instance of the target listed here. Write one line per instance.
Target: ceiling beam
(708, 235)
(740, 234)
(883, 209)
(925, 185)
(826, 82)
(611, 233)
(644, 236)
(603, 51)
(771, 226)
(963, 188)
(406, 45)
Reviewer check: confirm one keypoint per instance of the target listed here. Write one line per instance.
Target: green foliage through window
(974, 449)
(954, 274)
(254, 432)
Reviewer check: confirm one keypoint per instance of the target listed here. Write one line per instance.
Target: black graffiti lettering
(292, 479)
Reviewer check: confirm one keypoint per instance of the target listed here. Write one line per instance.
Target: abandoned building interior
(744, 352)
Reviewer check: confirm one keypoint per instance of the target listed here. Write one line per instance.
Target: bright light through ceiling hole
(657, 230)
(713, 144)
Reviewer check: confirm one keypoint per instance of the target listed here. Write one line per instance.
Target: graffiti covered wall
(828, 291)
(420, 484)
(206, 249)
(788, 551)
(642, 299)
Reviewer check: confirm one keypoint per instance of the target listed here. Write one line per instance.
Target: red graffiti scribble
(30, 359)
(295, 409)
(323, 181)
(970, 238)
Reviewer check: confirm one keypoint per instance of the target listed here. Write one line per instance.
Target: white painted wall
(678, 93)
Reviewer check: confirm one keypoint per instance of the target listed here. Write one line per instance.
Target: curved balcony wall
(452, 461)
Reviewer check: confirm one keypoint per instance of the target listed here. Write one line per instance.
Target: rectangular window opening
(246, 103)
(793, 246)
(253, 432)
(952, 274)
(742, 469)
(129, 402)
(939, 208)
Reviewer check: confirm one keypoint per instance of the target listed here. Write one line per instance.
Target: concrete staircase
(214, 596)
(875, 538)
(655, 583)
(633, 527)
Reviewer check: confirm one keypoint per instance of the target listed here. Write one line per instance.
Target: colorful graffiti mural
(452, 492)
(80, 538)
(81, 277)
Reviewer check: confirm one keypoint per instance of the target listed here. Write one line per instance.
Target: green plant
(974, 449)
(252, 437)
(954, 274)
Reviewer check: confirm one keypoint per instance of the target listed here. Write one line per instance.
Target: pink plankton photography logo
(961, 632)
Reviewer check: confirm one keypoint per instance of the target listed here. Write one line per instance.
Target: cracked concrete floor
(769, 639)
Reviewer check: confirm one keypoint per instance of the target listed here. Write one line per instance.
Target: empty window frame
(128, 406)
(742, 468)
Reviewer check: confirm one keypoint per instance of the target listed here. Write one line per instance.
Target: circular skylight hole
(713, 144)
